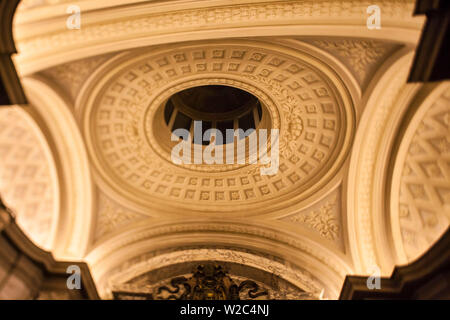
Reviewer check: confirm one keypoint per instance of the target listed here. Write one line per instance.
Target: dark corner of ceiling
(11, 91)
(431, 62)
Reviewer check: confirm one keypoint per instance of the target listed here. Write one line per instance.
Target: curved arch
(386, 101)
(418, 222)
(28, 175)
(142, 242)
(144, 24)
(75, 219)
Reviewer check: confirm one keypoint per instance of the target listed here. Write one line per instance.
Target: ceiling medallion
(127, 131)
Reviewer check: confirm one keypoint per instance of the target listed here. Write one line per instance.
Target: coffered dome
(123, 121)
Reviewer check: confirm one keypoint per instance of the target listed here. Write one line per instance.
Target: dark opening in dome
(215, 99)
(216, 106)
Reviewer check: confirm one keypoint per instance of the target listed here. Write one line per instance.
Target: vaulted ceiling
(364, 171)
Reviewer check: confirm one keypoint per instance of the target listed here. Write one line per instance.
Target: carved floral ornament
(133, 275)
(120, 120)
(149, 247)
(207, 282)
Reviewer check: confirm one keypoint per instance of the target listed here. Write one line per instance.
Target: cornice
(45, 42)
(142, 231)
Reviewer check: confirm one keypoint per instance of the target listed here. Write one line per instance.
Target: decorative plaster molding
(386, 101)
(291, 274)
(361, 55)
(75, 216)
(324, 217)
(280, 60)
(275, 288)
(150, 23)
(311, 101)
(32, 4)
(311, 108)
(72, 76)
(130, 245)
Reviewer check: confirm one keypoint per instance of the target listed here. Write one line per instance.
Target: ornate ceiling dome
(123, 117)
(362, 168)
